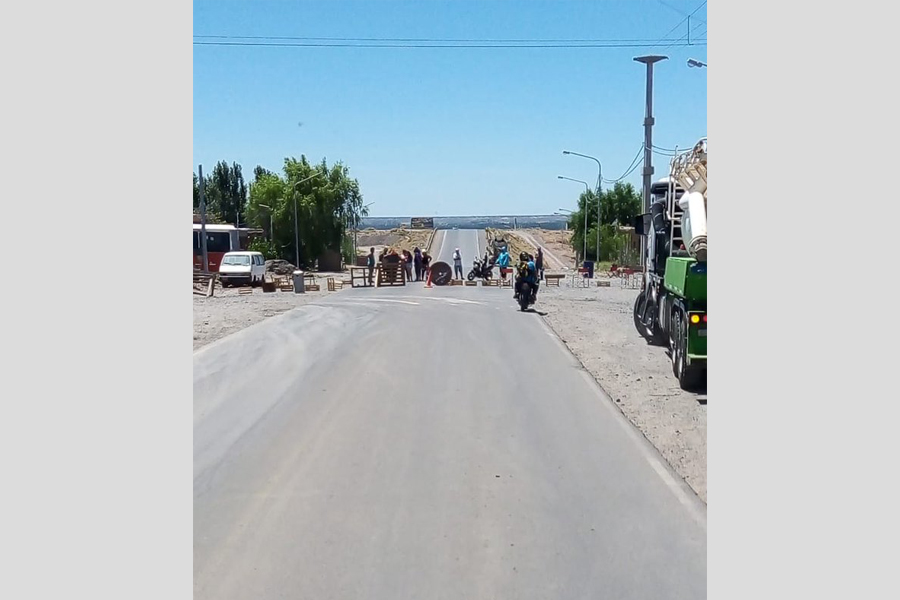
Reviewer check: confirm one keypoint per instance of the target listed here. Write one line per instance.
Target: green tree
(196, 193)
(328, 205)
(618, 205)
(226, 192)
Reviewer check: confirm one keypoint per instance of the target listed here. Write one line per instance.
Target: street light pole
(648, 134)
(296, 226)
(648, 126)
(271, 226)
(356, 232)
(587, 189)
(599, 180)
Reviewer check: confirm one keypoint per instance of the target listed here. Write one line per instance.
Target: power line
(630, 169)
(678, 10)
(687, 36)
(663, 38)
(431, 45)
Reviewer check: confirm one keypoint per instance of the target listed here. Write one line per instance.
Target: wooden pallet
(359, 277)
(553, 279)
(205, 283)
(471, 283)
(390, 275)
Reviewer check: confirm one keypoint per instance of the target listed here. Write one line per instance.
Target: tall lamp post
(599, 180)
(271, 226)
(586, 190)
(356, 229)
(296, 226)
(648, 133)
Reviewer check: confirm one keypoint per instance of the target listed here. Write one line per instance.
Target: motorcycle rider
(527, 273)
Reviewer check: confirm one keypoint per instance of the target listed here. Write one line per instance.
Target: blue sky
(442, 131)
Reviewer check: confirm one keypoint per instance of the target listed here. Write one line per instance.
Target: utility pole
(203, 222)
(648, 134)
(648, 126)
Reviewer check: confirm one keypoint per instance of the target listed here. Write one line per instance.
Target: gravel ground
(596, 324)
(229, 311)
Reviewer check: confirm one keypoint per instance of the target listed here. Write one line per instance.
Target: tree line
(618, 206)
(328, 201)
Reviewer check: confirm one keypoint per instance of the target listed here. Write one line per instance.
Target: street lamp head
(560, 177)
(650, 59)
(695, 63)
(566, 152)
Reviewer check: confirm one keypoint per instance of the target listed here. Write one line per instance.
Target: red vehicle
(219, 240)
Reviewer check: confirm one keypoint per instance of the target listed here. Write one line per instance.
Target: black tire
(637, 312)
(471, 276)
(524, 296)
(690, 377)
(677, 350)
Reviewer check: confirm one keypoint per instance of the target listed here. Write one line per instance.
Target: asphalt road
(426, 443)
(471, 244)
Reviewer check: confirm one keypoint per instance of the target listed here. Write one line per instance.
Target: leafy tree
(226, 192)
(328, 204)
(618, 205)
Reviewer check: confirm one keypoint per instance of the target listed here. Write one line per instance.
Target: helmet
(523, 257)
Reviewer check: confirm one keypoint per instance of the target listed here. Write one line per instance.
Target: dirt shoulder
(596, 324)
(558, 254)
(229, 311)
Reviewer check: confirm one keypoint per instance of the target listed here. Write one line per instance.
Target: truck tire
(689, 376)
(654, 335)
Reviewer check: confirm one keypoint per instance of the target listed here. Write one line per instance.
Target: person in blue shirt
(503, 263)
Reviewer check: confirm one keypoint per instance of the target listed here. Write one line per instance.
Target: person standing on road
(539, 264)
(408, 264)
(370, 262)
(426, 265)
(417, 259)
(457, 264)
(503, 263)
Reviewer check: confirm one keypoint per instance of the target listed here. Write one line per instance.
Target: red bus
(219, 240)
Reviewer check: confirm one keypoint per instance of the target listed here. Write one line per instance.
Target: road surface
(426, 443)
(471, 244)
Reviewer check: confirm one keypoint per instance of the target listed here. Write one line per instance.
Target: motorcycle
(481, 270)
(525, 296)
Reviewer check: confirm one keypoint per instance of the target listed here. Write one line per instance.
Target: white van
(239, 268)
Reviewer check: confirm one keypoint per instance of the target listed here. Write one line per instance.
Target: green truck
(670, 310)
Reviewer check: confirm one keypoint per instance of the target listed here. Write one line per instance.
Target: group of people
(415, 263)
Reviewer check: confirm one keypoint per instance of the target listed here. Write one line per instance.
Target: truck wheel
(638, 311)
(689, 377)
